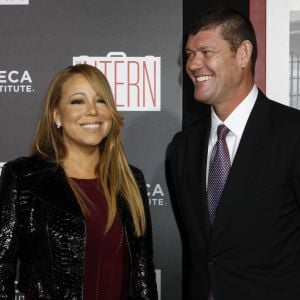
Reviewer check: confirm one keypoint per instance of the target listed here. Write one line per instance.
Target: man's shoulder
(283, 108)
(196, 128)
(284, 115)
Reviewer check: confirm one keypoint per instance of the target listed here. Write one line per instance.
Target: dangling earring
(58, 125)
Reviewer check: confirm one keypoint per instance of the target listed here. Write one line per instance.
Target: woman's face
(83, 115)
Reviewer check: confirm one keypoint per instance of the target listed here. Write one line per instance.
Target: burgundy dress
(106, 255)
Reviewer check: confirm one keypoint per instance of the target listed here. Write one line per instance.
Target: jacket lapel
(196, 173)
(244, 167)
(50, 186)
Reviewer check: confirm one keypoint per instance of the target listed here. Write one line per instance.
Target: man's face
(213, 67)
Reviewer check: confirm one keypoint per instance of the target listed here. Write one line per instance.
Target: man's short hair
(235, 28)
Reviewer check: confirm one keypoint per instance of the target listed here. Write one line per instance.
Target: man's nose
(194, 63)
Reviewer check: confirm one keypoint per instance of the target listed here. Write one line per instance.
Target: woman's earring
(58, 125)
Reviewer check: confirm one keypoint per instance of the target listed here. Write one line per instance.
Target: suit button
(211, 261)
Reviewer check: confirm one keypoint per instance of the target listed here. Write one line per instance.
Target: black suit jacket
(252, 252)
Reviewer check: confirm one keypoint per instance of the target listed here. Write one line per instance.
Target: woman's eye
(77, 101)
(101, 101)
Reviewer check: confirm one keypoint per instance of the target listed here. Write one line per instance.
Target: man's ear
(244, 53)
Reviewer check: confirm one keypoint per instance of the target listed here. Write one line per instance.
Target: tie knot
(222, 131)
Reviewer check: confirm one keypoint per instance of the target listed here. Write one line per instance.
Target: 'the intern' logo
(135, 81)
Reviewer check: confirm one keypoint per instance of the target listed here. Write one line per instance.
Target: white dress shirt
(235, 122)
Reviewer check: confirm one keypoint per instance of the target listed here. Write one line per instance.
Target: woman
(74, 213)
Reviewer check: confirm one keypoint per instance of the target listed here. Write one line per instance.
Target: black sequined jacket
(42, 227)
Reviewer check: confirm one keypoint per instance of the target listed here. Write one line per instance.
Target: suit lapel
(244, 167)
(196, 173)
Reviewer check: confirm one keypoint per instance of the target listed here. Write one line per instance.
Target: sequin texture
(41, 225)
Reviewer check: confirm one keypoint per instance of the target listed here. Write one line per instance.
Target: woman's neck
(81, 165)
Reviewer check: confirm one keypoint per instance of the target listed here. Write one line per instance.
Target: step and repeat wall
(137, 44)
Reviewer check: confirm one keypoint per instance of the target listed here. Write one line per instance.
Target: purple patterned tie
(219, 166)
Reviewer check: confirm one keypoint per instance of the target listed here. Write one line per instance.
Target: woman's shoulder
(135, 170)
(137, 173)
(26, 165)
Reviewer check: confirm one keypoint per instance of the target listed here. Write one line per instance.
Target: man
(237, 185)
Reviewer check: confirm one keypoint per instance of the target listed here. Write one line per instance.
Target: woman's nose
(92, 108)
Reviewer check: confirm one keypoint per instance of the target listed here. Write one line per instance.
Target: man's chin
(201, 98)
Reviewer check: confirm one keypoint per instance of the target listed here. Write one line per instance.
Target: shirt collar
(237, 120)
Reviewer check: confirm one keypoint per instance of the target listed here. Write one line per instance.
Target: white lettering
(10, 76)
(158, 190)
(26, 77)
(14, 77)
(2, 76)
(148, 187)
(156, 202)
(15, 82)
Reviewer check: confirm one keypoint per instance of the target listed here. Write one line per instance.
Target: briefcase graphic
(135, 81)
